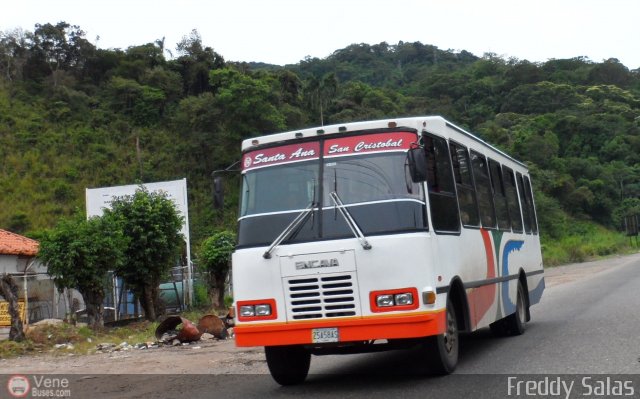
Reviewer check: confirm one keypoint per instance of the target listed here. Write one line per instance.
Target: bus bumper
(397, 326)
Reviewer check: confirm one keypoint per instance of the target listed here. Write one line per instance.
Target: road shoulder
(563, 274)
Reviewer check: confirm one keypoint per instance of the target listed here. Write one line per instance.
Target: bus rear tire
(514, 324)
(442, 350)
(288, 365)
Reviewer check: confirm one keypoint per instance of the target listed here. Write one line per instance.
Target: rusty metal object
(213, 325)
(188, 333)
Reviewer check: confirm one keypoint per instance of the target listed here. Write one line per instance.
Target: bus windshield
(279, 183)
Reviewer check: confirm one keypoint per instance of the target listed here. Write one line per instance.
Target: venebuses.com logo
(38, 386)
(18, 386)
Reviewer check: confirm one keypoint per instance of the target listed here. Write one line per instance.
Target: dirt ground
(223, 357)
(203, 357)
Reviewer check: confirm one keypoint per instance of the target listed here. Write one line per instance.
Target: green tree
(151, 224)
(628, 208)
(59, 47)
(246, 103)
(194, 63)
(79, 254)
(13, 54)
(290, 87)
(319, 93)
(539, 98)
(165, 80)
(610, 71)
(214, 258)
(143, 104)
(211, 125)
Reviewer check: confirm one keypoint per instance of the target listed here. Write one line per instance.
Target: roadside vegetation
(63, 339)
(586, 241)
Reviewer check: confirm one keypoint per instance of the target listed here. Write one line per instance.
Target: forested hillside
(74, 116)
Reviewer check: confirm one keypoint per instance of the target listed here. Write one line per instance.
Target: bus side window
(512, 199)
(532, 209)
(499, 196)
(526, 210)
(464, 184)
(442, 194)
(483, 189)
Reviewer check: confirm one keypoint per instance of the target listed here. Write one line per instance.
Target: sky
(286, 31)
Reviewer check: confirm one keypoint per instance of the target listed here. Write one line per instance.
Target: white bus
(381, 235)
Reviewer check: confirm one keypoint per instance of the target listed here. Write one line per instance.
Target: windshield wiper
(349, 219)
(302, 216)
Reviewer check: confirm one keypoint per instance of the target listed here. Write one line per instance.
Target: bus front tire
(288, 365)
(442, 350)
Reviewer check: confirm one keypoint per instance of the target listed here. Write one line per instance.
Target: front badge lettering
(315, 263)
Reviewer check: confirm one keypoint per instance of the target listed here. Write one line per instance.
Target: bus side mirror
(417, 161)
(218, 192)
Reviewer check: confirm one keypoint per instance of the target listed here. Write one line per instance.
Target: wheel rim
(451, 333)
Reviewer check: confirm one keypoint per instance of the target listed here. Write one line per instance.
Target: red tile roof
(15, 244)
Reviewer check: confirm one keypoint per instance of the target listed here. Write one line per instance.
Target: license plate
(322, 335)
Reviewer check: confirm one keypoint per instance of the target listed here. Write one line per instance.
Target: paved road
(590, 325)
(587, 326)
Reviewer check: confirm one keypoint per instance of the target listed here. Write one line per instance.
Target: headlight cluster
(393, 300)
(255, 310)
(397, 299)
(262, 309)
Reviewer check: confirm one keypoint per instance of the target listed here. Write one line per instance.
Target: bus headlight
(384, 300)
(263, 310)
(247, 311)
(404, 299)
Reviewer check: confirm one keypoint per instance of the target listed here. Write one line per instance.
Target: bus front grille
(320, 297)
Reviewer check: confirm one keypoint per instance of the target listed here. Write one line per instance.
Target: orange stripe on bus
(480, 299)
(407, 325)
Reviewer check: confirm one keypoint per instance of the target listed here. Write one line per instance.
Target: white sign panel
(100, 198)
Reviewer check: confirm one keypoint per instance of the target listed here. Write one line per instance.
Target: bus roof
(432, 124)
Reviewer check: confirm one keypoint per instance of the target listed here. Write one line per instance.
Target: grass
(43, 339)
(585, 241)
(12, 349)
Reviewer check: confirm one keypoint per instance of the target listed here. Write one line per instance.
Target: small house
(42, 300)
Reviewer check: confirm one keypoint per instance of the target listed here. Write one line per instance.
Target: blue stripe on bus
(510, 246)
